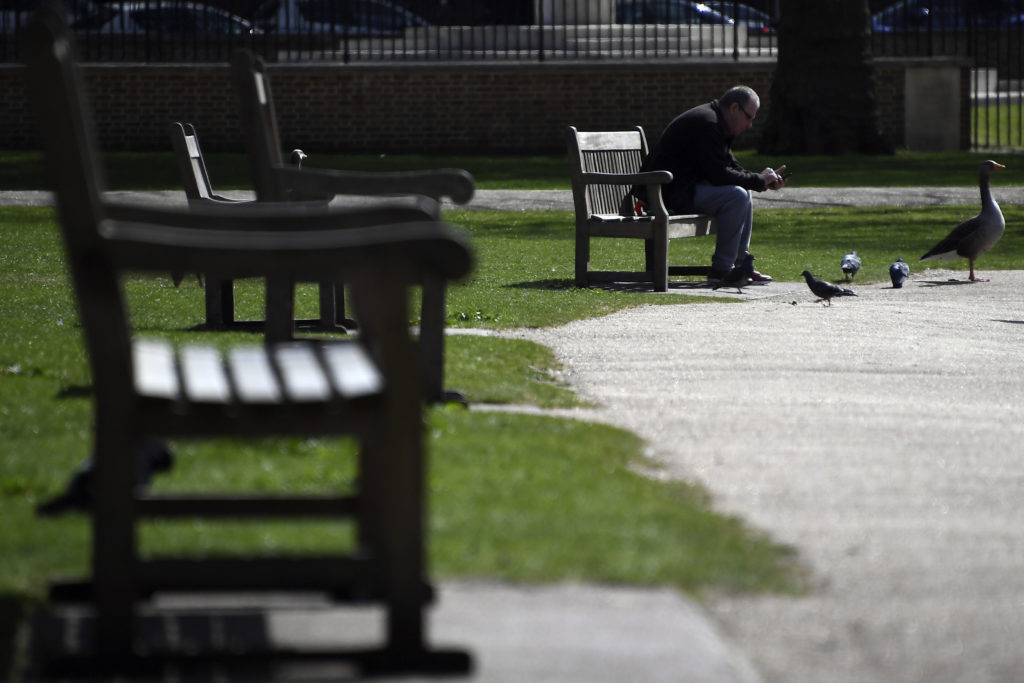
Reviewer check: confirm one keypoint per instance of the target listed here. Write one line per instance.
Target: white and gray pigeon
(976, 235)
(850, 264)
(825, 290)
(297, 156)
(899, 271)
(740, 276)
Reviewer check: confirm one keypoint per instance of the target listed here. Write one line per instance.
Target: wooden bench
(369, 389)
(604, 167)
(277, 181)
(219, 294)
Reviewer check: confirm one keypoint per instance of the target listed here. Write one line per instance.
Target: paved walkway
(879, 437)
(517, 200)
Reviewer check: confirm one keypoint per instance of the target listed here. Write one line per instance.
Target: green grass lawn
(518, 497)
(997, 126)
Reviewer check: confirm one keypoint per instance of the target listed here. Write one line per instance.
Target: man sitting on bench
(706, 178)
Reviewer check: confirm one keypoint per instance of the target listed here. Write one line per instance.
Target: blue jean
(733, 210)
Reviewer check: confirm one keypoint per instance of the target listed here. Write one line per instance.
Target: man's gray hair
(740, 94)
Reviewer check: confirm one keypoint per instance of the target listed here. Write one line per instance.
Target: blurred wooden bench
(276, 181)
(604, 167)
(369, 389)
(219, 294)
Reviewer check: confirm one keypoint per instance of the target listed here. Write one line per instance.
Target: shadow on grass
(565, 284)
(75, 391)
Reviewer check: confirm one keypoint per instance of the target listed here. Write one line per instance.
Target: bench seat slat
(203, 375)
(302, 375)
(156, 375)
(352, 371)
(253, 376)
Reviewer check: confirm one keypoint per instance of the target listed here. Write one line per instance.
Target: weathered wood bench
(604, 167)
(369, 389)
(277, 181)
(219, 294)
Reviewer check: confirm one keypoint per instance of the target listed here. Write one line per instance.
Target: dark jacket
(696, 147)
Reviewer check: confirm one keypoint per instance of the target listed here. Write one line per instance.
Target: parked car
(165, 17)
(15, 13)
(915, 15)
(337, 17)
(668, 12)
(756, 21)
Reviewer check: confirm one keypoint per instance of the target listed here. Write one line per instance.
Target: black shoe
(716, 276)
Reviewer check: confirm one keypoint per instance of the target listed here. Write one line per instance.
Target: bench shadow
(565, 284)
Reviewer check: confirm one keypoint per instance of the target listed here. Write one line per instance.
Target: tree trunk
(823, 95)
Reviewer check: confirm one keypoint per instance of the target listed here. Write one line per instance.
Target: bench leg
(280, 313)
(582, 256)
(658, 261)
(114, 562)
(220, 303)
(328, 311)
(432, 342)
(339, 308)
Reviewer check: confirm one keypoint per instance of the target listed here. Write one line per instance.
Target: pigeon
(825, 290)
(297, 156)
(151, 457)
(974, 236)
(898, 273)
(850, 264)
(739, 277)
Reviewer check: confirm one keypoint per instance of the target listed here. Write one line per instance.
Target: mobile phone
(785, 175)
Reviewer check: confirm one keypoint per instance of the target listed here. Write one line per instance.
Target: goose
(974, 236)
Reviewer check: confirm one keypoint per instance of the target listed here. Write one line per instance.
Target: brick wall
(490, 108)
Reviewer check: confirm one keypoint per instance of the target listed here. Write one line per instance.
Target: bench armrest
(317, 182)
(645, 178)
(250, 242)
(285, 216)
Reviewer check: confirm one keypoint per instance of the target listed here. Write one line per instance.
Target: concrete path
(881, 437)
(551, 200)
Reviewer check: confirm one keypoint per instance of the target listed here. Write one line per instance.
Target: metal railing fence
(989, 33)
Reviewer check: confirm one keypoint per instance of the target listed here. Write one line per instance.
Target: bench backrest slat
(608, 152)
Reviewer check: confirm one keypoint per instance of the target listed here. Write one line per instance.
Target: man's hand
(773, 179)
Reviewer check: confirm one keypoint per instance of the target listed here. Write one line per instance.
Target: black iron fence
(988, 33)
(371, 30)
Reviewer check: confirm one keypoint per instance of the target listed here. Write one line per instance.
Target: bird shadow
(943, 283)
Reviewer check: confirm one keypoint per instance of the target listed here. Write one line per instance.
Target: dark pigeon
(898, 273)
(152, 456)
(825, 290)
(850, 264)
(739, 277)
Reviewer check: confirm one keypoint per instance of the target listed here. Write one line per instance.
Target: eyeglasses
(749, 117)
